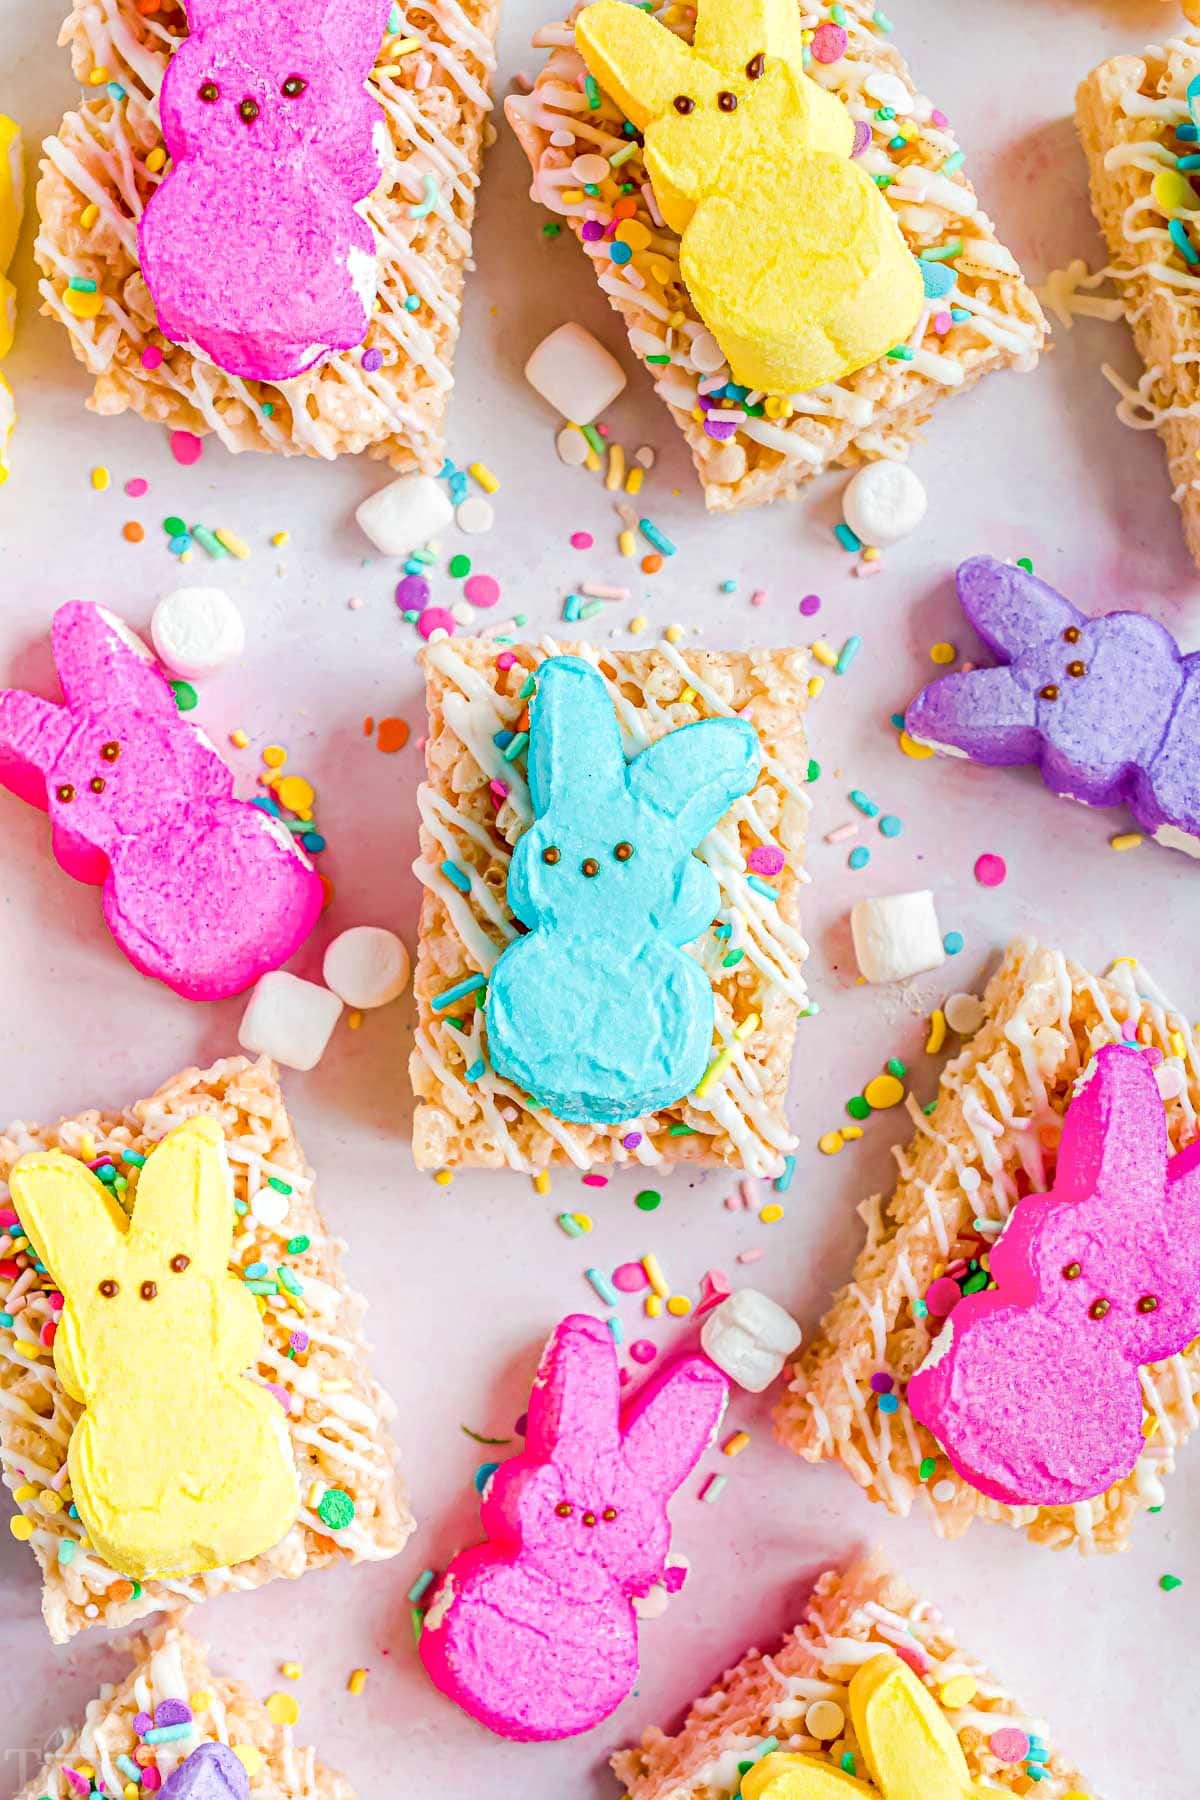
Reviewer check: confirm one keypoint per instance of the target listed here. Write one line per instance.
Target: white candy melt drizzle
(736, 1101)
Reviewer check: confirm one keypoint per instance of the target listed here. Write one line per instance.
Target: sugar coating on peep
(896, 935)
(289, 1020)
(367, 966)
(405, 514)
(883, 503)
(197, 631)
(750, 1337)
(575, 373)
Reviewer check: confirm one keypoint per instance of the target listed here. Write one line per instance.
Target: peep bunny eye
(209, 92)
(1049, 692)
(180, 1263)
(1099, 1309)
(754, 68)
(564, 1509)
(589, 1518)
(97, 784)
(110, 752)
(683, 103)
(727, 101)
(551, 854)
(1076, 669)
(65, 793)
(294, 86)
(110, 1289)
(590, 866)
(609, 1514)
(1072, 1272)
(248, 110)
(148, 1290)
(623, 852)
(1147, 1304)
(1072, 634)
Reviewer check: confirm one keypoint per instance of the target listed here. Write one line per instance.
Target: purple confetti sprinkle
(862, 137)
(412, 593)
(372, 360)
(172, 1712)
(765, 859)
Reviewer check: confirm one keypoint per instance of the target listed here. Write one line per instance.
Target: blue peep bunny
(597, 1012)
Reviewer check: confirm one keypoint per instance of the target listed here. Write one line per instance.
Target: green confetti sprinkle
(1168, 1583)
(336, 1509)
(648, 1200)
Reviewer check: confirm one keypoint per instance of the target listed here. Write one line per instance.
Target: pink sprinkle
(582, 540)
(942, 323)
(841, 833)
(137, 487)
(595, 1181)
(78, 1783)
(749, 1195)
(829, 43)
(499, 790)
(186, 448)
(151, 1779)
(749, 1256)
(604, 430)
(674, 1578)
(714, 1287)
(280, 1393)
(1009, 1744)
(937, 117)
(810, 604)
(435, 618)
(916, 1659)
(732, 1203)
(643, 1351)
(482, 590)
(759, 597)
(942, 1296)
(56, 1305)
(630, 1278)
(298, 1341)
(505, 660)
(47, 1332)
(152, 357)
(765, 859)
(8, 1218)
(990, 870)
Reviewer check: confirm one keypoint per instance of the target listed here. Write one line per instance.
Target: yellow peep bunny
(793, 258)
(907, 1743)
(178, 1463)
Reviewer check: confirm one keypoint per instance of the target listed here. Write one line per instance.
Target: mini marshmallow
(750, 1337)
(197, 631)
(405, 514)
(883, 503)
(367, 967)
(575, 373)
(896, 935)
(289, 1020)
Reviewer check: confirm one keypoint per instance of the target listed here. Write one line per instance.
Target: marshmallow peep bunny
(1032, 1389)
(1108, 707)
(254, 247)
(597, 1012)
(792, 255)
(201, 891)
(534, 1633)
(909, 1746)
(211, 1772)
(177, 1463)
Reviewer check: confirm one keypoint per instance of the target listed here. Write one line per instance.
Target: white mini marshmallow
(883, 503)
(289, 1020)
(367, 967)
(405, 514)
(575, 373)
(896, 935)
(750, 1337)
(197, 631)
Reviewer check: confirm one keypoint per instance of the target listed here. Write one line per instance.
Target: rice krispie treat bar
(796, 1700)
(980, 315)
(387, 396)
(1138, 130)
(352, 1505)
(109, 1751)
(475, 806)
(991, 1138)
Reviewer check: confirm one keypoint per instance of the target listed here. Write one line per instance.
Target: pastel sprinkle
(990, 870)
(186, 448)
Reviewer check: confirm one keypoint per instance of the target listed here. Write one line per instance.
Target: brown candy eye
(623, 852)
(209, 91)
(248, 110)
(66, 793)
(564, 1509)
(727, 101)
(109, 1289)
(754, 68)
(590, 866)
(683, 103)
(1076, 669)
(609, 1514)
(1072, 634)
(1147, 1304)
(110, 752)
(97, 784)
(1072, 1272)
(1099, 1309)
(294, 86)
(1049, 692)
(551, 854)
(589, 1518)
(148, 1290)
(180, 1263)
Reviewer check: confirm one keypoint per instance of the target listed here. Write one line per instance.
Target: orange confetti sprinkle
(133, 532)
(393, 735)
(652, 564)
(369, 725)
(327, 888)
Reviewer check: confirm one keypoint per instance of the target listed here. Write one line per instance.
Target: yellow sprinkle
(89, 215)
(239, 740)
(99, 75)
(851, 1133)
(27, 1491)
(1129, 962)
(49, 1501)
(592, 462)
(541, 1183)
(292, 1670)
(634, 480)
(274, 756)
(201, 1700)
(816, 686)
(959, 1691)
(716, 1067)
(235, 545)
(357, 1681)
(87, 1147)
(655, 1276)
(85, 1769)
(654, 1306)
(444, 1177)
(584, 1221)
(615, 473)
(771, 1215)
(281, 538)
(130, 1791)
(736, 1444)
(871, 553)
(937, 1032)
(1173, 192)
(1149, 1427)
(943, 653)
(673, 633)
(156, 159)
(687, 695)
(101, 479)
(250, 1758)
(21, 1528)
(883, 1093)
(1126, 840)
(626, 543)
(574, 196)
(313, 1497)
(1178, 1043)
(639, 624)
(283, 1708)
(402, 46)
(354, 1020)
(25, 1349)
(296, 794)
(483, 475)
(824, 653)
(831, 1143)
(918, 752)
(747, 1028)
(83, 306)
(679, 1306)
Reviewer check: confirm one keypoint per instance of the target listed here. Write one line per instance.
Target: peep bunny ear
(33, 735)
(639, 62)
(1114, 1141)
(984, 713)
(909, 1745)
(730, 32)
(693, 775)
(184, 1201)
(102, 664)
(575, 754)
(577, 1393)
(672, 1423)
(1011, 609)
(74, 1223)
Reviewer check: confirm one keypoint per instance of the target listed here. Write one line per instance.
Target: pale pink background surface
(464, 1283)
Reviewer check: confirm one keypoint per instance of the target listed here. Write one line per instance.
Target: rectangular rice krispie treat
(991, 1139)
(1135, 123)
(313, 1353)
(990, 320)
(106, 161)
(795, 1700)
(172, 1672)
(475, 805)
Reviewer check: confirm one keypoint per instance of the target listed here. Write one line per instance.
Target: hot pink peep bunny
(253, 248)
(1032, 1389)
(534, 1633)
(201, 891)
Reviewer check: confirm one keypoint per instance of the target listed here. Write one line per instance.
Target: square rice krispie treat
(798, 1700)
(475, 806)
(979, 314)
(387, 395)
(313, 1356)
(173, 1688)
(991, 1139)
(1138, 125)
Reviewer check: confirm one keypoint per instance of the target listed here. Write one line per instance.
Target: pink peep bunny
(1032, 1389)
(254, 248)
(534, 1633)
(201, 891)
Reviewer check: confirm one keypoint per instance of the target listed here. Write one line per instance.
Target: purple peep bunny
(1108, 707)
(254, 248)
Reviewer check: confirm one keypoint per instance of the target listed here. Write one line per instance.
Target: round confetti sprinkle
(460, 565)
(825, 1720)
(990, 870)
(284, 1709)
(392, 736)
(679, 1306)
(435, 618)
(372, 360)
(858, 1107)
(859, 857)
(630, 1278)
(186, 448)
(483, 1475)
(249, 1755)
(810, 604)
(648, 1200)
(928, 1465)
(590, 167)
(943, 1492)
(1168, 1583)
(958, 1692)
(1009, 1745)
(883, 1093)
(643, 1351)
(482, 590)
(765, 859)
(475, 515)
(582, 540)
(137, 488)
(336, 1509)
(152, 357)
(829, 43)
(296, 794)
(572, 447)
(186, 697)
(21, 1528)
(412, 593)
(918, 752)
(831, 1143)
(965, 1013)
(953, 942)
(942, 1296)
(771, 1215)
(943, 653)
(132, 532)
(889, 1403)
